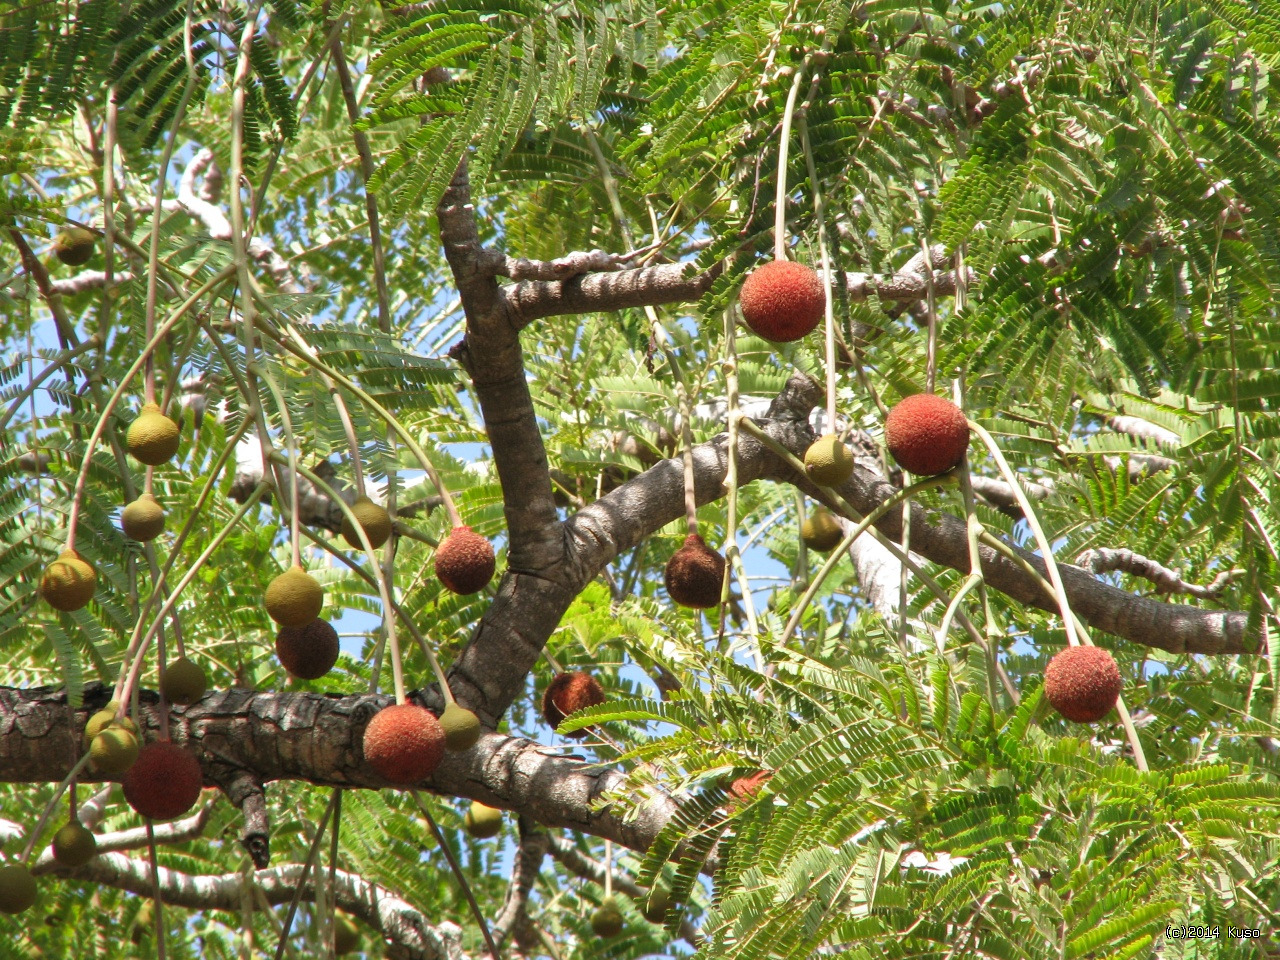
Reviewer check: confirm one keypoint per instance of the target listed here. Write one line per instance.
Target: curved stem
(829, 326)
(458, 874)
(105, 417)
(1024, 502)
(292, 459)
(780, 201)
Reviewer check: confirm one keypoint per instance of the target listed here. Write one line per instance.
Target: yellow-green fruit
(607, 920)
(143, 519)
(17, 888)
(482, 822)
(375, 521)
(183, 682)
(74, 246)
(821, 531)
(152, 438)
(143, 921)
(294, 598)
(68, 583)
(106, 717)
(73, 845)
(828, 461)
(113, 751)
(346, 937)
(461, 728)
(655, 906)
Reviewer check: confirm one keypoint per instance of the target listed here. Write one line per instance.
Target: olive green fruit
(17, 888)
(152, 438)
(821, 531)
(828, 461)
(100, 721)
(68, 583)
(113, 751)
(482, 822)
(74, 845)
(461, 728)
(74, 246)
(183, 682)
(656, 904)
(374, 520)
(143, 519)
(294, 598)
(143, 921)
(607, 919)
(346, 936)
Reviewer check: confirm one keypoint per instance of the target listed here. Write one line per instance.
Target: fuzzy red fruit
(744, 788)
(164, 782)
(308, 652)
(782, 301)
(694, 576)
(404, 743)
(568, 693)
(464, 561)
(926, 434)
(1083, 683)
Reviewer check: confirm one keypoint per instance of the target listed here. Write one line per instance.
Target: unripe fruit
(465, 561)
(183, 682)
(114, 751)
(1083, 683)
(568, 693)
(294, 598)
(482, 822)
(17, 888)
(821, 531)
(461, 728)
(152, 438)
(74, 246)
(346, 937)
(143, 921)
(104, 718)
(606, 921)
(68, 583)
(375, 521)
(926, 434)
(656, 904)
(404, 743)
(73, 845)
(828, 461)
(308, 652)
(143, 519)
(694, 576)
(165, 782)
(782, 301)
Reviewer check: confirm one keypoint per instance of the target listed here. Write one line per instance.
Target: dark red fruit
(782, 301)
(1083, 683)
(164, 782)
(694, 575)
(308, 652)
(404, 743)
(927, 435)
(464, 561)
(568, 693)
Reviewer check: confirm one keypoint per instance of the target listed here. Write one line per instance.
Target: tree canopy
(464, 320)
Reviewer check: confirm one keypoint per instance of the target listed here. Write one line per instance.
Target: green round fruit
(374, 520)
(828, 461)
(17, 888)
(483, 822)
(294, 598)
(346, 936)
(607, 919)
(74, 845)
(113, 751)
(821, 531)
(152, 438)
(656, 904)
(74, 246)
(68, 583)
(183, 682)
(143, 520)
(461, 728)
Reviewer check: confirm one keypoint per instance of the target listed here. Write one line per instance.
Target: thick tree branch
(1105, 560)
(529, 856)
(376, 906)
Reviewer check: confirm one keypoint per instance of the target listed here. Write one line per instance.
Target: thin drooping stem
(458, 874)
(780, 200)
(348, 428)
(820, 214)
(830, 563)
(291, 450)
(312, 853)
(733, 555)
(156, 896)
(1046, 549)
(52, 805)
(105, 417)
(608, 868)
(57, 363)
